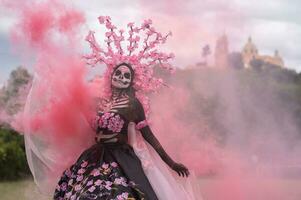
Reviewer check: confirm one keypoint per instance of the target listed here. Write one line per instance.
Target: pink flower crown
(138, 48)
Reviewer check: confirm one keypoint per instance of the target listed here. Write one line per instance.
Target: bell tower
(221, 52)
(249, 52)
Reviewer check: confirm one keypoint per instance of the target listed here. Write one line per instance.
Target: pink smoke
(50, 30)
(61, 95)
(253, 160)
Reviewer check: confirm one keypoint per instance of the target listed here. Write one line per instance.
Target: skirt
(109, 171)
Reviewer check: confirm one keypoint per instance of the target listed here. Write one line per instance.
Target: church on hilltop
(250, 52)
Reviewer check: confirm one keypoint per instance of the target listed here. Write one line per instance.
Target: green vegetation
(13, 164)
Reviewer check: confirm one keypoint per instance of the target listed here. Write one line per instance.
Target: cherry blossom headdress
(137, 47)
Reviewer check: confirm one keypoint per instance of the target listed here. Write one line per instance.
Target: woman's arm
(153, 141)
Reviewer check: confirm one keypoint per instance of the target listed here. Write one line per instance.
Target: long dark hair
(130, 91)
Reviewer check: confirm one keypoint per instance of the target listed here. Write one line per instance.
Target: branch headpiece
(137, 47)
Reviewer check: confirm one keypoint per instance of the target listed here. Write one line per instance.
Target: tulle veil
(165, 182)
(46, 158)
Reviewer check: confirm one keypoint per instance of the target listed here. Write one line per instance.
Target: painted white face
(122, 77)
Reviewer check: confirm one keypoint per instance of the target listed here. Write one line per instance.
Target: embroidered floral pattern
(141, 124)
(108, 120)
(98, 184)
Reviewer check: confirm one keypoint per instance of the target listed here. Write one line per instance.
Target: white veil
(166, 183)
(45, 158)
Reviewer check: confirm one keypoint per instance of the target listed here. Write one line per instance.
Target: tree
(206, 51)
(11, 95)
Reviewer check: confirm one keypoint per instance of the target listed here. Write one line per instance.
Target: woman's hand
(180, 169)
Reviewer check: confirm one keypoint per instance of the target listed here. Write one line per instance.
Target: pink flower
(68, 173)
(136, 39)
(108, 185)
(96, 173)
(105, 166)
(136, 30)
(63, 186)
(130, 24)
(152, 45)
(68, 195)
(81, 171)
(104, 18)
(91, 189)
(77, 187)
(98, 182)
(84, 164)
(123, 196)
(90, 183)
(108, 34)
(114, 164)
(120, 181)
(141, 124)
(79, 178)
(146, 23)
(110, 26)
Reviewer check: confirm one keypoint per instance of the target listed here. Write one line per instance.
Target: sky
(272, 24)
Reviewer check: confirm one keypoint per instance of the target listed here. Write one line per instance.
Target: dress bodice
(114, 119)
(111, 122)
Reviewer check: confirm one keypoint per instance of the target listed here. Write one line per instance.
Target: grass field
(212, 189)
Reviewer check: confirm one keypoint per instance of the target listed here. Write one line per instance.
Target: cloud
(273, 24)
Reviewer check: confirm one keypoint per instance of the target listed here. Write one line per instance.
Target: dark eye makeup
(127, 75)
(118, 72)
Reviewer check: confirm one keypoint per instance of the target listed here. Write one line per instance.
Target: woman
(110, 169)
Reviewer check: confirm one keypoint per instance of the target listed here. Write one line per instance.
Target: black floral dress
(108, 170)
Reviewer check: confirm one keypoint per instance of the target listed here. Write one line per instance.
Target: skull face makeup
(122, 77)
